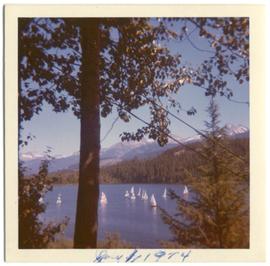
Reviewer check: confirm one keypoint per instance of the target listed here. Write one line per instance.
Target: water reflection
(155, 221)
(58, 212)
(186, 197)
(127, 202)
(132, 201)
(154, 212)
(102, 211)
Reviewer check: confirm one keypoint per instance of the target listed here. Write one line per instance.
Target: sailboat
(59, 199)
(153, 201)
(133, 196)
(185, 192)
(139, 193)
(41, 200)
(132, 190)
(103, 199)
(164, 193)
(127, 194)
(144, 195)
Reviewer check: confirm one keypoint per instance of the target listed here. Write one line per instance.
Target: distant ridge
(122, 151)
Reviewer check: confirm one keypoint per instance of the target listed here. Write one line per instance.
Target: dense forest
(168, 167)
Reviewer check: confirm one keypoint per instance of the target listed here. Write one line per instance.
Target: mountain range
(121, 151)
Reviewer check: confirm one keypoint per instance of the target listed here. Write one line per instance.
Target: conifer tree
(215, 214)
(33, 233)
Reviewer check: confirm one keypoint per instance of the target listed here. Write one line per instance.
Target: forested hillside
(167, 167)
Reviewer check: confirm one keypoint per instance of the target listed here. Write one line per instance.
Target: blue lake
(134, 220)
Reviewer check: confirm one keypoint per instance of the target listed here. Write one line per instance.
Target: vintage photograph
(133, 132)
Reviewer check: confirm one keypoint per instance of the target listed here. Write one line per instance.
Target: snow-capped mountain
(123, 151)
(126, 150)
(235, 129)
(30, 156)
(190, 139)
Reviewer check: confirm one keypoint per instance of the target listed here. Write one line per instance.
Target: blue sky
(61, 131)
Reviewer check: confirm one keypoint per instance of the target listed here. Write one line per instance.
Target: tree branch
(109, 131)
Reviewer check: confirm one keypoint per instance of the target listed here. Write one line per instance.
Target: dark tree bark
(88, 192)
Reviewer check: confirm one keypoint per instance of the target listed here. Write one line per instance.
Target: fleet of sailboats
(144, 196)
(141, 193)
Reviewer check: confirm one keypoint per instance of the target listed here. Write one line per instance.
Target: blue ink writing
(101, 256)
(147, 256)
(136, 258)
(185, 255)
(160, 254)
(128, 258)
(118, 257)
(170, 255)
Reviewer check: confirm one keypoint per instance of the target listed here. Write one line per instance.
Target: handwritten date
(137, 256)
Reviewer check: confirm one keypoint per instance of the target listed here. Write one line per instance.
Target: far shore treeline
(168, 167)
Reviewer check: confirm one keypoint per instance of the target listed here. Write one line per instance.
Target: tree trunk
(88, 192)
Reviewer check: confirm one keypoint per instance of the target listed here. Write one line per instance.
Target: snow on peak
(58, 156)
(235, 129)
(30, 156)
(27, 156)
(76, 153)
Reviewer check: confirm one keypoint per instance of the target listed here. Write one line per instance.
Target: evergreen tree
(32, 232)
(216, 212)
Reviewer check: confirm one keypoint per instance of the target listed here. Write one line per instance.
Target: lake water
(134, 220)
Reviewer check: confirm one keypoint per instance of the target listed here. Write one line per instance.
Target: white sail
(133, 196)
(103, 199)
(59, 199)
(41, 200)
(145, 195)
(165, 194)
(185, 190)
(153, 201)
(127, 194)
(132, 190)
(139, 193)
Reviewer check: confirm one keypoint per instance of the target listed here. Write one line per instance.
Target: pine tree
(216, 212)
(33, 233)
